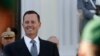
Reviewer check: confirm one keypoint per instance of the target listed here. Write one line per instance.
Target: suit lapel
(23, 49)
(43, 50)
(25, 52)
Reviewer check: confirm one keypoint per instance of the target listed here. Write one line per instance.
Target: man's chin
(30, 34)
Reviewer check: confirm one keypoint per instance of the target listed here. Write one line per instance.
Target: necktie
(33, 48)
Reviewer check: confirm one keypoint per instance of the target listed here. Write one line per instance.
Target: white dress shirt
(29, 44)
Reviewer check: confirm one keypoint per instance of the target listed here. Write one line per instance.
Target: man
(7, 37)
(86, 9)
(25, 47)
(90, 39)
(90, 43)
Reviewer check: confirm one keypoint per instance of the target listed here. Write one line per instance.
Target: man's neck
(32, 36)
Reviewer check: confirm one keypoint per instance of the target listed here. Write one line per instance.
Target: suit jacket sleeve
(7, 51)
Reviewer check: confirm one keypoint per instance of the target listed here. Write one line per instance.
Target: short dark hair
(31, 12)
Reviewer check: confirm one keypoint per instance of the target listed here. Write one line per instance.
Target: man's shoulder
(47, 42)
(16, 43)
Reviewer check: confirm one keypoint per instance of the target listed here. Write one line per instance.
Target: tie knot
(33, 41)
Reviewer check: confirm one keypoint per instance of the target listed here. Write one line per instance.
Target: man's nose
(30, 24)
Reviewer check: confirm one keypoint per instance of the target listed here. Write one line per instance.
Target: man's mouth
(30, 29)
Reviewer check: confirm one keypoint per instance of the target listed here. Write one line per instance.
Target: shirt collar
(28, 39)
(29, 44)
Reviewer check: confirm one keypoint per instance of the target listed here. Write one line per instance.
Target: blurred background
(9, 15)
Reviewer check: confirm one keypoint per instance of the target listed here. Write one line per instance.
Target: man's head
(31, 23)
(90, 39)
(8, 37)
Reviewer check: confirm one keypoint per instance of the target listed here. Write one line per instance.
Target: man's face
(31, 24)
(7, 40)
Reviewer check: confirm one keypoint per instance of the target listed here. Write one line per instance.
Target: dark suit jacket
(19, 48)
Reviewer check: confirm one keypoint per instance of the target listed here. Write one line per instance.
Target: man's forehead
(30, 16)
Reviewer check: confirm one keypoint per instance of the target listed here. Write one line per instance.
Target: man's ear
(40, 24)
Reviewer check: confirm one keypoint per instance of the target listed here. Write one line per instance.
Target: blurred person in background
(86, 10)
(90, 39)
(8, 37)
(90, 42)
(54, 39)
